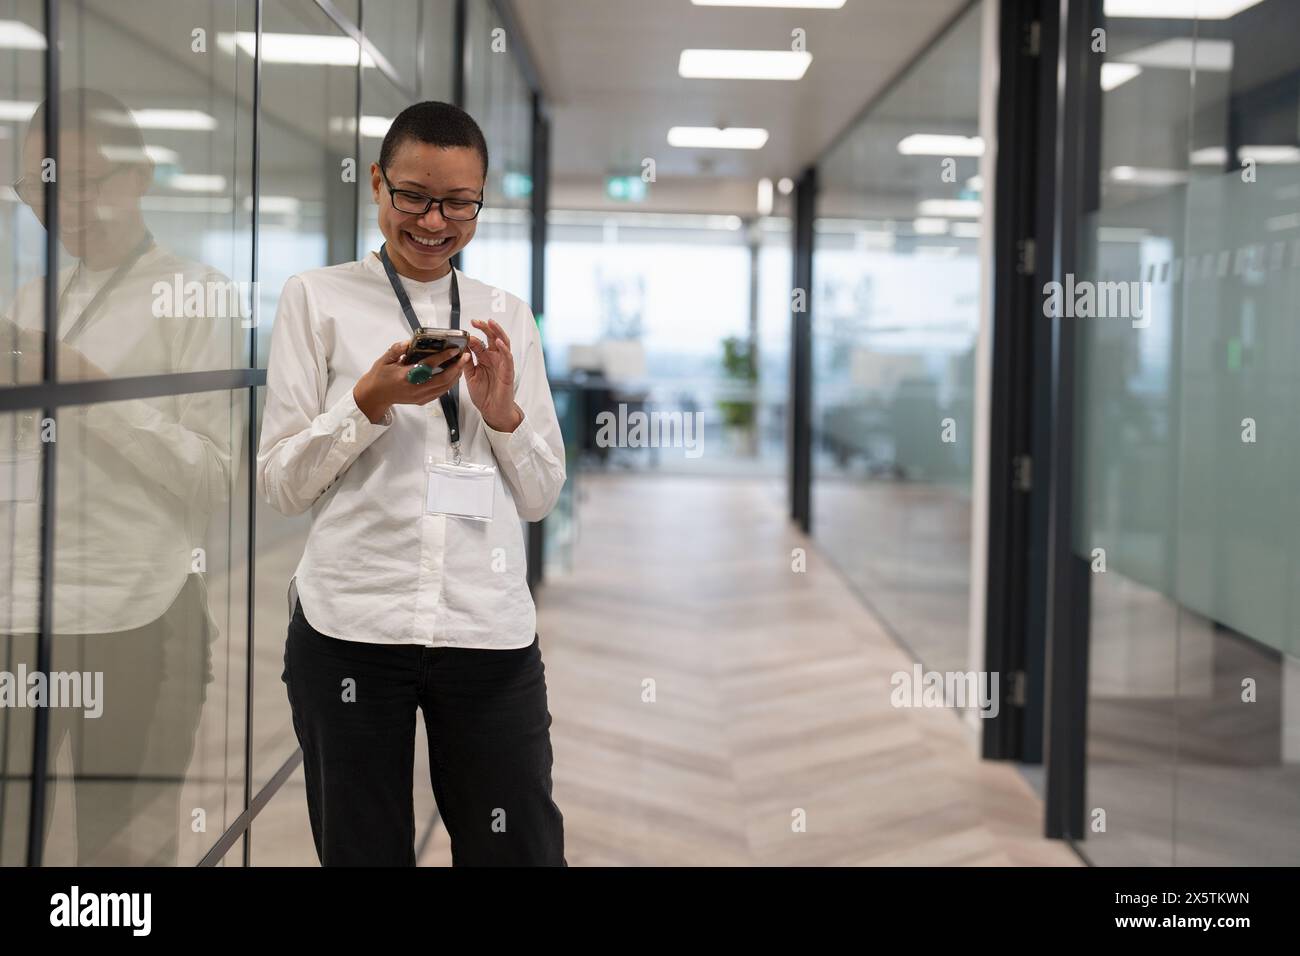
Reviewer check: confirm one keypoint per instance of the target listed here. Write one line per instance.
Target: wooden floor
(772, 701)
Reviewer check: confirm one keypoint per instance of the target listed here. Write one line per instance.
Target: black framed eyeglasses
(458, 210)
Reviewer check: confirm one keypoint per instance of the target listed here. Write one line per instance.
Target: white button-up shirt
(376, 567)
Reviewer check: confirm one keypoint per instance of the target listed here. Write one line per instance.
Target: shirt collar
(436, 285)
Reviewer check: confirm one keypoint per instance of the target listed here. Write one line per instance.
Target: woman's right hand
(385, 385)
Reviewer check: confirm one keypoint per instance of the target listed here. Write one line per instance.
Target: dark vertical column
(1041, 385)
(800, 414)
(251, 623)
(540, 162)
(1076, 127)
(1015, 308)
(44, 645)
(460, 27)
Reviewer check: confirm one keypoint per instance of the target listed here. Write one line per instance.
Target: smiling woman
(209, 155)
(435, 187)
(403, 567)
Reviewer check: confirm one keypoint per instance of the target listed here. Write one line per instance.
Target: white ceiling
(609, 71)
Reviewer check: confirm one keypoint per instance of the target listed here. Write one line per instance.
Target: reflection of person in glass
(412, 586)
(137, 484)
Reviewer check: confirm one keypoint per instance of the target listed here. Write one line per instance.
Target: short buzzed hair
(436, 123)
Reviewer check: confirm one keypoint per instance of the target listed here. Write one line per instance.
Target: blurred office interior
(823, 264)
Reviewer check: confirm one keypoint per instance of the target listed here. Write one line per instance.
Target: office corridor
(772, 694)
(817, 343)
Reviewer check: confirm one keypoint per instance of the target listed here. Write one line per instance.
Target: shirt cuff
(365, 431)
(512, 446)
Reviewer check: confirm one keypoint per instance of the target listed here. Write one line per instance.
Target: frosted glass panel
(1188, 440)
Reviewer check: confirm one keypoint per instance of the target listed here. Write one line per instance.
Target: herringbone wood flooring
(771, 697)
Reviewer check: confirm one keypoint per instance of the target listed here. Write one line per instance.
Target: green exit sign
(625, 188)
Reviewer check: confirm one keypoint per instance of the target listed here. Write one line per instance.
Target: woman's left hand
(491, 378)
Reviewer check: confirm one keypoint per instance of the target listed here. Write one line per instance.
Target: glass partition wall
(224, 147)
(1187, 443)
(124, 505)
(895, 318)
(497, 93)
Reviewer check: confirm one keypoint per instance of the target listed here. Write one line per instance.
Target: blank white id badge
(462, 490)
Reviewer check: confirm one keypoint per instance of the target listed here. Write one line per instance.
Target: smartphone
(427, 341)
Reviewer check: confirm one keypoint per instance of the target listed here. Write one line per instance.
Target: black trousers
(490, 756)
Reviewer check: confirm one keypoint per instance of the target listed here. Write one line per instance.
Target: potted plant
(740, 371)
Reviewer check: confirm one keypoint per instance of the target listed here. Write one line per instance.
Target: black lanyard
(98, 299)
(450, 400)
